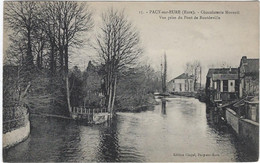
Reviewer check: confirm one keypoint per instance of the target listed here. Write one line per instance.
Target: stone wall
(249, 131)
(246, 129)
(232, 119)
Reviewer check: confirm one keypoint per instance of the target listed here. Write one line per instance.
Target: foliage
(76, 85)
(136, 87)
(92, 82)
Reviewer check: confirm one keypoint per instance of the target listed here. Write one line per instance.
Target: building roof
(184, 76)
(221, 71)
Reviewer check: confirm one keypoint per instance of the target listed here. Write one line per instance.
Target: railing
(83, 110)
(217, 96)
(14, 118)
(229, 96)
(223, 96)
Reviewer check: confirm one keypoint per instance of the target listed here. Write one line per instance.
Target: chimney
(244, 58)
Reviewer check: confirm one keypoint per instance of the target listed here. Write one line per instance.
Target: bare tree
(194, 69)
(21, 18)
(73, 20)
(45, 32)
(118, 46)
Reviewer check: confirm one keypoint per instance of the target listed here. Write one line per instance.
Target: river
(176, 131)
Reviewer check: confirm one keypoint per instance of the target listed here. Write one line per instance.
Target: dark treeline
(42, 38)
(42, 35)
(135, 87)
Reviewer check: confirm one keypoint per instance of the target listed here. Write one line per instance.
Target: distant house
(182, 83)
(249, 77)
(222, 84)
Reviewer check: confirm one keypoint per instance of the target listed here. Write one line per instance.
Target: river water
(176, 131)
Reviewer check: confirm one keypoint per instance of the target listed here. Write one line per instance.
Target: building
(222, 84)
(248, 106)
(249, 77)
(182, 83)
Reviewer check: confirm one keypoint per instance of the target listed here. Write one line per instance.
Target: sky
(210, 41)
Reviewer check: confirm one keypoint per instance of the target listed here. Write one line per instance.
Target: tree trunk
(114, 95)
(68, 91)
(38, 61)
(60, 52)
(29, 57)
(52, 59)
(110, 97)
(67, 76)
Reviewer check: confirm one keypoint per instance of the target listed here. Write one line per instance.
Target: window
(225, 85)
(218, 85)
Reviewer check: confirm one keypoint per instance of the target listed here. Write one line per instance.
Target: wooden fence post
(88, 114)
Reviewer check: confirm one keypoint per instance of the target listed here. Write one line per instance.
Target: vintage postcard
(138, 81)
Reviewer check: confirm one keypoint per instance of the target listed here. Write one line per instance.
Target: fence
(82, 110)
(90, 115)
(14, 118)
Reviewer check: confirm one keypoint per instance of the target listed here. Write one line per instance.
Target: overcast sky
(210, 41)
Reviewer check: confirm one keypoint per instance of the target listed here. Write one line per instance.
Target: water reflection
(145, 136)
(163, 107)
(108, 145)
(46, 141)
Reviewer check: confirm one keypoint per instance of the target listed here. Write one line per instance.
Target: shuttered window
(225, 85)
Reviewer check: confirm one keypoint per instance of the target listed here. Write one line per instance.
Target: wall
(251, 86)
(246, 129)
(186, 85)
(249, 131)
(232, 119)
(177, 86)
(16, 136)
(170, 86)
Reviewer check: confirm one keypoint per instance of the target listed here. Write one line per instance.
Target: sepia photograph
(130, 81)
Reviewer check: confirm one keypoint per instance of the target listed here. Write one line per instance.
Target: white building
(182, 83)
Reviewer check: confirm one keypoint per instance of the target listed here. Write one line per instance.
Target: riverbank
(50, 115)
(16, 135)
(136, 109)
(185, 94)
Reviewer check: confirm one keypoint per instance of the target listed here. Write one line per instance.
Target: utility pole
(200, 77)
(162, 72)
(165, 73)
